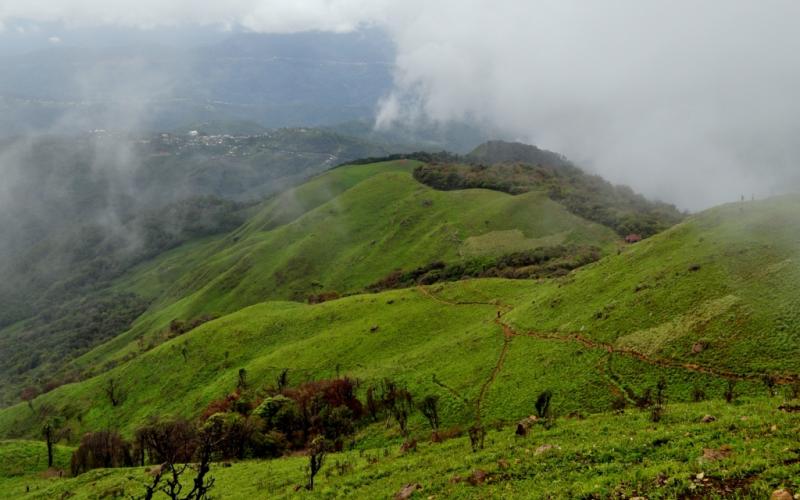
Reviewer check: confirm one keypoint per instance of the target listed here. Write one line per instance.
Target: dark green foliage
(492, 152)
(619, 404)
(588, 196)
(429, 407)
(396, 400)
(423, 156)
(659, 405)
(543, 404)
(373, 404)
(101, 449)
(179, 327)
(730, 391)
(166, 441)
(531, 264)
(36, 355)
(477, 435)
(327, 408)
(769, 383)
(236, 436)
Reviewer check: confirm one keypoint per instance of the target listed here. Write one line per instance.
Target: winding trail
(507, 336)
(509, 333)
(658, 362)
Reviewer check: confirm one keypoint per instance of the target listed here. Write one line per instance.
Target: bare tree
(730, 391)
(51, 430)
(316, 458)
(167, 476)
(399, 402)
(114, 391)
(282, 382)
(429, 407)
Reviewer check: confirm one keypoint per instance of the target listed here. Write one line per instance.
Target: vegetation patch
(532, 264)
(590, 197)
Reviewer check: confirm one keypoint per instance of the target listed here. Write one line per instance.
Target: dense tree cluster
(541, 262)
(588, 196)
(314, 417)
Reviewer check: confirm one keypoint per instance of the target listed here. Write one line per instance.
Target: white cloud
(54, 40)
(259, 15)
(691, 101)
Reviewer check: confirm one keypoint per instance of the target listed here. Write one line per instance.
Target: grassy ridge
(748, 452)
(712, 299)
(725, 284)
(341, 232)
(607, 330)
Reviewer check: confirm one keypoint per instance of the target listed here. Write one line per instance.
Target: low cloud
(691, 102)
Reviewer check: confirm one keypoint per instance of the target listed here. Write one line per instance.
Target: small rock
(698, 347)
(478, 477)
(407, 490)
(408, 446)
(774, 428)
(708, 419)
(545, 448)
(700, 475)
(781, 494)
(524, 425)
(711, 454)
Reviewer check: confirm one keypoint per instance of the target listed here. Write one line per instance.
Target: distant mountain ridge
(496, 151)
(275, 80)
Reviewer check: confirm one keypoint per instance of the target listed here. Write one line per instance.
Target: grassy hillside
(699, 304)
(81, 211)
(748, 452)
(720, 290)
(340, 232)
(706, 303)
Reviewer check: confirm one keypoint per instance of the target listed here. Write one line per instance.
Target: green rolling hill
(709, 302)
(612, 327)
(341, 232)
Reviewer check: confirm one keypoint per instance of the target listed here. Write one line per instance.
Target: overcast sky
(693, 102)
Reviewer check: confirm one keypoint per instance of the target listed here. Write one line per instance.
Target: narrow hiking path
(509, 332)
(781, 379)
(507, 336)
